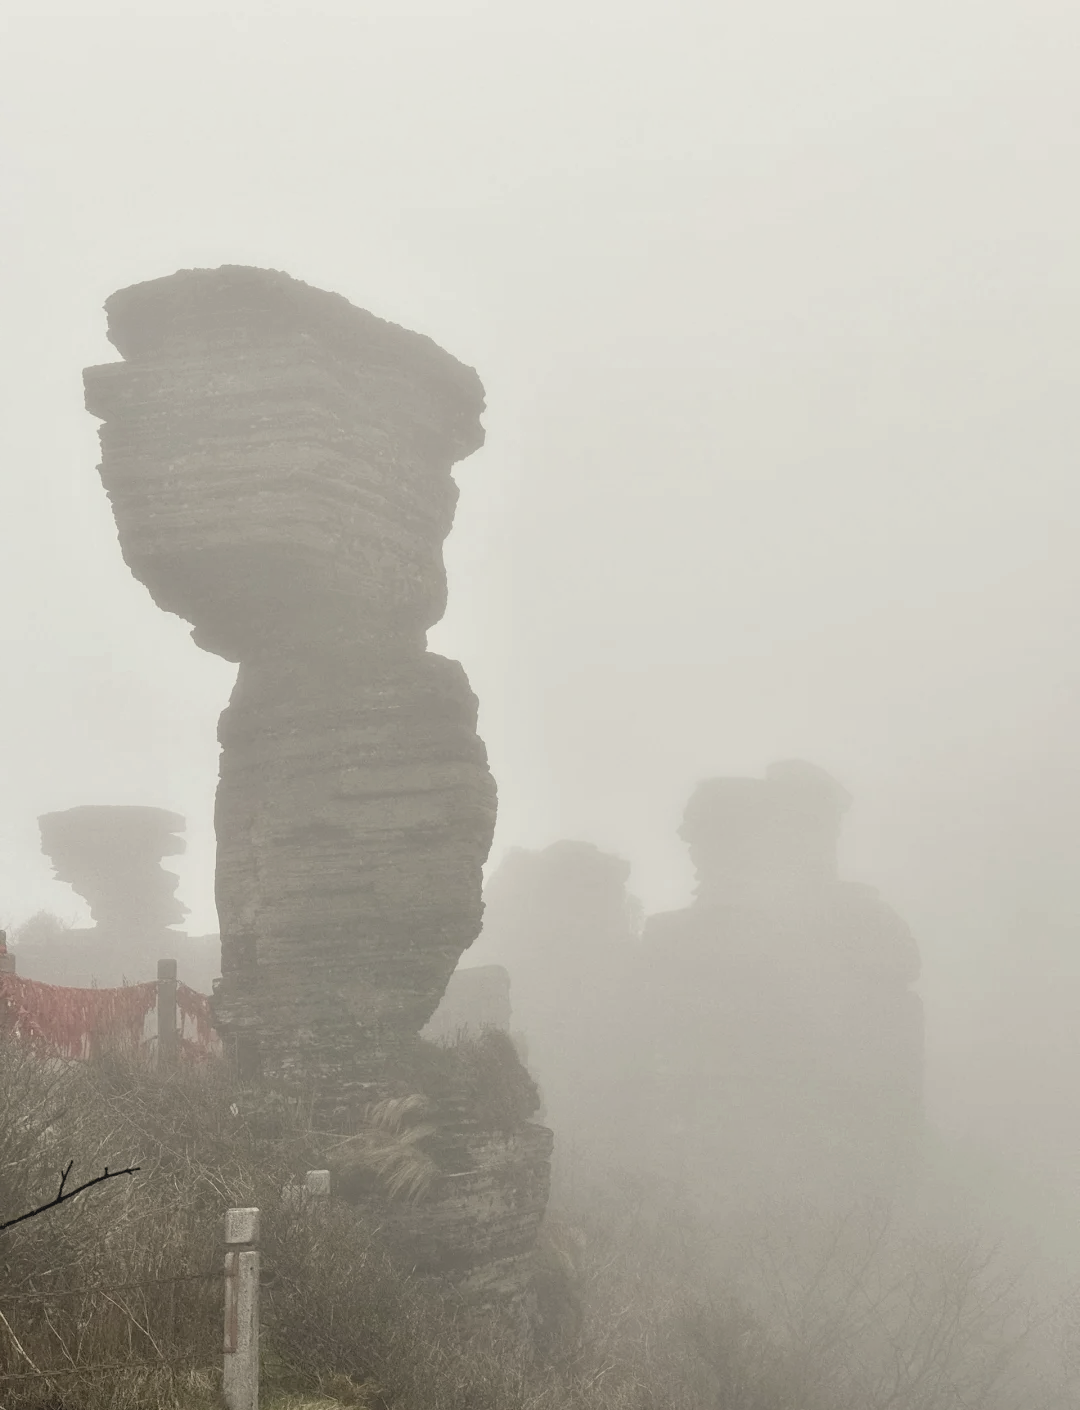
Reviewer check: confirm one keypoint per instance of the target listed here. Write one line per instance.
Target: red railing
(195, 1025)
(73, 1023)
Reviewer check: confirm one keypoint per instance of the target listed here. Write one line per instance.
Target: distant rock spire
(111, 856)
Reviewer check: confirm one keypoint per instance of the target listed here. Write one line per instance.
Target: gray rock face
(766, 1037)
(279, 466)
(479, 1230)
(762, 842)
(279, 462)
(354, 813)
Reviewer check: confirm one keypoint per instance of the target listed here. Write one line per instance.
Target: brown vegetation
(630, 1311)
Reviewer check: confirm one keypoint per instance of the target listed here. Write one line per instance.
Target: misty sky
(776, 308)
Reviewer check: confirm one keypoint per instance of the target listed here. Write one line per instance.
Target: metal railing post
(242, 1309)
(168, 1039)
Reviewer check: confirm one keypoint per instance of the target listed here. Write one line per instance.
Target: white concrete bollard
(316, 1186)
(242, 1309)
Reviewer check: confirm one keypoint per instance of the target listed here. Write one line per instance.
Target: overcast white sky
(776, 307)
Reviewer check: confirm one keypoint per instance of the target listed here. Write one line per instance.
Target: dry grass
(631, 1314)
(389, 1148)
(119, 1275)
(483, 1074)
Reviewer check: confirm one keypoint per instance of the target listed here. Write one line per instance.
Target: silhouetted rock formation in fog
(279, 465)
(476, 998)
(111, 856)
(787, 1042)
(563, 923)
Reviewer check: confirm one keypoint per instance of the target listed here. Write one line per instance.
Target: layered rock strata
(476, 1226)
(278, 461)
(478, 1229)
(353, 816)
(279, 466)
(111, 857)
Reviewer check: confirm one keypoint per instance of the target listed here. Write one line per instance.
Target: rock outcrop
(787, 1043)
(278, 461)
(477, 1227)
(279, 466)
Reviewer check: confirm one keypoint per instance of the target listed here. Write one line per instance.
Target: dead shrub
(129, 1272)
(480, 1073)
(635, 1309)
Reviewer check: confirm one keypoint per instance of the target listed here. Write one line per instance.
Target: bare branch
(63, 1196)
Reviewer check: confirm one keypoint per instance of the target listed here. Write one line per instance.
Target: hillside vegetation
(633, 1311)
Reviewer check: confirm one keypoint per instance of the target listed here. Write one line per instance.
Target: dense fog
(775, 310)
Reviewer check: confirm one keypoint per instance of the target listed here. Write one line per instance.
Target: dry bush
(872, 1310)
(341, 1315)
(654, 1328)
(130, 1271)
(637, 1309)
(42, 928)
(482, 1074)
(386, 1153)
(883, 1315)
(93, 1283)
(347, 1323)
(880, 1308)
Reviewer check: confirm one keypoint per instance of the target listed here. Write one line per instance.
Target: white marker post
(242, 1309)
(316, 1186)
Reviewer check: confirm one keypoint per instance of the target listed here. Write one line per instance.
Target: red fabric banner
(71, 1022)
(196, 1023)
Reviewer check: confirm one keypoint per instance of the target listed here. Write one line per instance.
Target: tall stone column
(279, 467)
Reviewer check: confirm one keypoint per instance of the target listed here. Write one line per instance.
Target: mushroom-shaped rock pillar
(111, 856)
(279, 467)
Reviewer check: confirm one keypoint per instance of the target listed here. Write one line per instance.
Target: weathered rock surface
(478, 1228)
(766, 1037)
(278, 461)
(279, 466)
(354, 814)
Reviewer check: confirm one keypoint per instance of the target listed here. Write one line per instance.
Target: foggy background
(776, 309)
